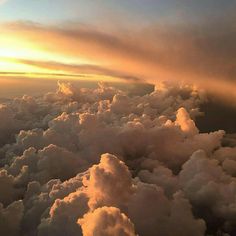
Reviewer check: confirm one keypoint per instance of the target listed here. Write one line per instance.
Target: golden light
(13, 49)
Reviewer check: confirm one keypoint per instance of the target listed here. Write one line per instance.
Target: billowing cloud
(106, 221)
(10, 218)
(84, 160)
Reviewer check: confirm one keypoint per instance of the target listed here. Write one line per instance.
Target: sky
(47, 11)
(130, 40)
(154, 154)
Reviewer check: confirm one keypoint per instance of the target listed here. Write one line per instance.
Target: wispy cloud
(203, 54)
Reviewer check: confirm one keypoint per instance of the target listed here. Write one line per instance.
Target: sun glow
(7, 66)
(13, 50)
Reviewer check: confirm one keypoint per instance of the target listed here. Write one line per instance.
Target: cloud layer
(202, 53)
(101, 161)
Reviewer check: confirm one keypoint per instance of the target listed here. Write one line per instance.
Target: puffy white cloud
(227, 157)
(210, 190)
(10, 218)
(154, 214)
(109, 185)
(118, 164)
(107, 181)
(8, 190)
(106, 221)
(52, 162)
(160, 176)
(63, 216)
(58, 163)
(186, 124)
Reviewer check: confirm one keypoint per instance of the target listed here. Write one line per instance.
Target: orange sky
(150, 54)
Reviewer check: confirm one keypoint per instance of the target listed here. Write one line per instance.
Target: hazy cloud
(202, 54)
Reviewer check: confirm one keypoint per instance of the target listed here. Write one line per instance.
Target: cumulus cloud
(107, 181)
(10, 218)
(68, 210)
(106, 161)
(107, 221)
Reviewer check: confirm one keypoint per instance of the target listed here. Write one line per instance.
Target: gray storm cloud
(83, 161)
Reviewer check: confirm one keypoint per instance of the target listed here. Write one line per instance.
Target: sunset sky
(117, 117)
(164, 39)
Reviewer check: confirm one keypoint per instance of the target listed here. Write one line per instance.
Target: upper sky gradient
(93, 12)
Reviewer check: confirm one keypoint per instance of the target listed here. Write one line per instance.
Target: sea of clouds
(100, 162)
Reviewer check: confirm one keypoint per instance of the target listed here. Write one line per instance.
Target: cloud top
(107, 162)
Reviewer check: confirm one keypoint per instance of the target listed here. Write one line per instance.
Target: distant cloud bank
(203, 53)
